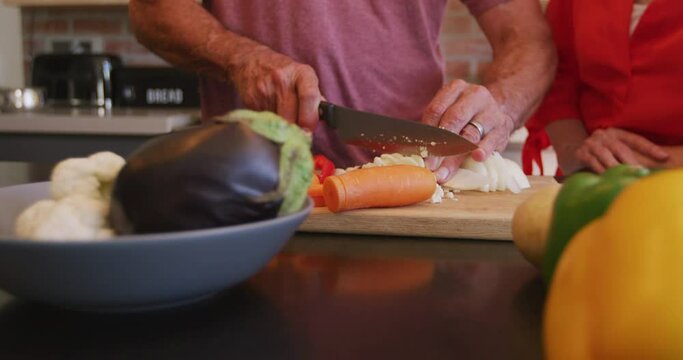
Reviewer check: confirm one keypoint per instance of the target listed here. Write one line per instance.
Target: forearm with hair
(183, 33)
(524, 58)
(515, 80)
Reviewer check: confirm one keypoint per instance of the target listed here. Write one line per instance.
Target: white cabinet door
(11, 55)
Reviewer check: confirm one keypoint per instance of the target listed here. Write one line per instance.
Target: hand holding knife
(389, 135)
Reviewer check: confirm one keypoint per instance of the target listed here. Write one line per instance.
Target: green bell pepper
(584, 197)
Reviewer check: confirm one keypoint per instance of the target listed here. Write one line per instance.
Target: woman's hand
(453, 107)
(267, 80)
(606, 148)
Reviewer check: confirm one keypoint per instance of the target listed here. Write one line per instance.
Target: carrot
(384, 186)
(315, 191)
(318, 201)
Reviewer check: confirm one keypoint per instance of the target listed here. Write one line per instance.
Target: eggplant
(246, 167)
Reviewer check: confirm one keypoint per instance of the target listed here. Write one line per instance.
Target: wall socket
(74, 44)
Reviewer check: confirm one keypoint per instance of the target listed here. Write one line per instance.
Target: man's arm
(524, 58)
(186, 35)
(523, 67)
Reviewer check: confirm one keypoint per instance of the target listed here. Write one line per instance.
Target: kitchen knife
(388, 135)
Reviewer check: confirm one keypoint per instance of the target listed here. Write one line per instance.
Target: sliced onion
(466, 179)
(518, 174)
(501, 168)
(493, 174)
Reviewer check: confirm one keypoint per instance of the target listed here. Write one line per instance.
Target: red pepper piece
(323, 167)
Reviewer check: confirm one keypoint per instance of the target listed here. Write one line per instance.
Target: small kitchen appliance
(155, 87)
(76, 79)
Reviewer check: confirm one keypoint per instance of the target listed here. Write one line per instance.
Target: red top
(607, 78)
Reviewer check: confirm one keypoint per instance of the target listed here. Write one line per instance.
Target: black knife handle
(326, 112)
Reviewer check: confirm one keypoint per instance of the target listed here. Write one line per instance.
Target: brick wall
(464, 46)
(106, 27)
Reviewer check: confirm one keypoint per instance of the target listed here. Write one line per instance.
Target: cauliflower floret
(91, 177)
(74, 176)
(75, 217)
(81, 192)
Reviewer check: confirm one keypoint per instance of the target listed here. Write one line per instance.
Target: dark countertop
(324, 297)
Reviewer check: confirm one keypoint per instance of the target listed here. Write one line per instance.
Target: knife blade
(389, 135)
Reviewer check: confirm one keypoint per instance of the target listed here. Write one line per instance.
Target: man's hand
(453, 107)
(522, 69)
(188, 36)
(610, 147)
(267, 80)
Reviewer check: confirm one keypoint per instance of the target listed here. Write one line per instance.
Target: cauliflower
(81, 193)
(92, 176)
(75, 217)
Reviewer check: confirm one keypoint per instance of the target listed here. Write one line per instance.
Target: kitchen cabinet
(53, 134)
(11, 60)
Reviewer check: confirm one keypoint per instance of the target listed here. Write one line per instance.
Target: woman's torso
(631, 81)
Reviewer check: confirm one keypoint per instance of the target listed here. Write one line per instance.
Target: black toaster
(155, 87)
(76, 79)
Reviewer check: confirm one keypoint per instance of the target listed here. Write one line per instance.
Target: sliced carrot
(318, 201)
(315, 191)
(385, 186)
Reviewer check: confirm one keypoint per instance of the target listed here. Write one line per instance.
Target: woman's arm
(561, 103)
(675, 159)
(567, 136)
(604, 148)
(186, 35)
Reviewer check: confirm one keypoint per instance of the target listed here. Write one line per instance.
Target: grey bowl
(135, 272)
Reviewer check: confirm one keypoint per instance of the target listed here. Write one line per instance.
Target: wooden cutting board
(473, 215)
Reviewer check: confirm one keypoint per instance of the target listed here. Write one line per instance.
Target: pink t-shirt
(373, 55)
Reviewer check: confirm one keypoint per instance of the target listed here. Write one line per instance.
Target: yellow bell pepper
(617, 291)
